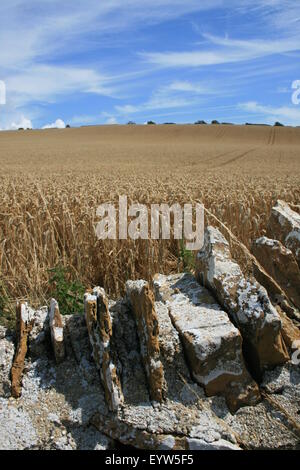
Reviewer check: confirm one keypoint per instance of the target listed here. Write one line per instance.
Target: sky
(87, 62)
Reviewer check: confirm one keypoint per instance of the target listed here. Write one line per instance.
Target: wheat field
(52, 182)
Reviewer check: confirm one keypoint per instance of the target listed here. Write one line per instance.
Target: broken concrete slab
(66, 407)
(263, 428)
(280, 264)
(290, 332)
(245, 300)
(284, 225)
(40, 336)
(24, 324)
(275, 292)
(99, 324)
(182, 413)
(57, 331)
(7, 352)
(142, 302)
(213, 346)
(150, 441)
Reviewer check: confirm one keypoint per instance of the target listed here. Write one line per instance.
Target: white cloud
(177, 94)
(46, 83)
(278, 20)
(185, 86)
(44, 29)
(35, 36)
(58, 124)
(155, 103)
(127, 109)
(48, 30)
(84, 120)
(23, 123)
(111, 120)
(285, 114)
(165, 101)
(227, 51)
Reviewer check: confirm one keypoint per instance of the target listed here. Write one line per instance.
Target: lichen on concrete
(213, 346)
(142, 301)
(245, 300)
(100, 328)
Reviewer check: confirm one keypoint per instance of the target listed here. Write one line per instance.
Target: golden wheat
(53, 182)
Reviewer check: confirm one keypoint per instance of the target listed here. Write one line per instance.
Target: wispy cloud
(84, 120)
(39, 39)
(44, 29)
(74, 53)
(285, 114)
(190, 87)
(228, 51)
(279, 20)
(177, 94)
(127, 109)
(47, 82)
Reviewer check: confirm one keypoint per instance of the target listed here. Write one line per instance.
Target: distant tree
(68, 126)
(169, 123)
(131, 123)
(278, 124)
(227, 124)
(254, 124)
(151, 123)
(200, 122)
(21, 129)
(215, 122)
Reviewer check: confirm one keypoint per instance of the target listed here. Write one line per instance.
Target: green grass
(186, 258)
(67, 290)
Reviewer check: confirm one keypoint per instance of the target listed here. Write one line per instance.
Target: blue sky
(86, 62)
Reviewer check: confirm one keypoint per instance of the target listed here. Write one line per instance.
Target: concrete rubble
(100, 328)
(281, 265)
(284, 225)
(142, 302)
(24, 324)
(245, 300)
(186, 362)
(57, 331)
(212, 344)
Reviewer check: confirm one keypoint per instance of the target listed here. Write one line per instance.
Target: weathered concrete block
(245, 300)
(100, 329)
(40, 334)
(24, 324)
(290, 332)
(213, 346)
(143, 306)
(284, 225)
(143, 439)
(56, 331)
(7, 352)
(280, 264)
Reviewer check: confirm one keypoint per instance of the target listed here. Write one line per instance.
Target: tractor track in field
(236, 158)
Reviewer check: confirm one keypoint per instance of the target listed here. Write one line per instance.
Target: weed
(186, 258)
(67, 291)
